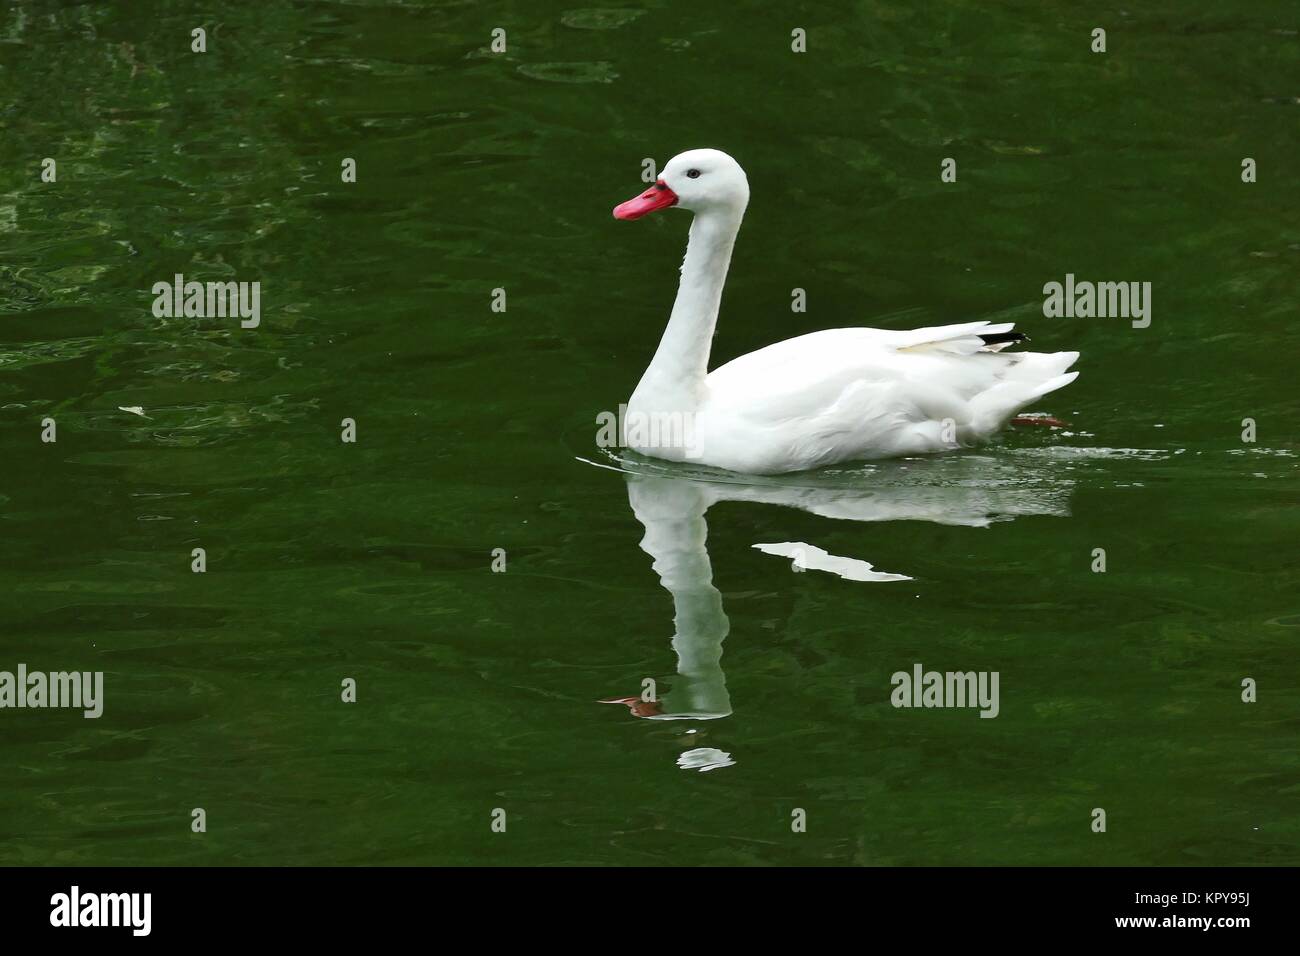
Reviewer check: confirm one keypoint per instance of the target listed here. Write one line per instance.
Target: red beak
(658, 196)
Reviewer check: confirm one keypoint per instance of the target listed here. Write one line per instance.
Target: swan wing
(813, 371)
(844, 393)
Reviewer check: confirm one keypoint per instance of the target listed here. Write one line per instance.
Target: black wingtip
(997, 338)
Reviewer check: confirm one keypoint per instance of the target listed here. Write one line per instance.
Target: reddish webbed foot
(1045, 420)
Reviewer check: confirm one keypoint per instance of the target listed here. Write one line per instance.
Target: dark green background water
(477, 690)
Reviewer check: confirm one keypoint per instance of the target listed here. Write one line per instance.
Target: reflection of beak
(638, 707)
(658, 196)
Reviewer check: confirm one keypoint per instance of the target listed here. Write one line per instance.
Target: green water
(475, 431)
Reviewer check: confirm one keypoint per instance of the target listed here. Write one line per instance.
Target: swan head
(700, 180)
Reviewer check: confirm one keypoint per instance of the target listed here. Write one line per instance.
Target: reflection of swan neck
(672, 513)
(681, 557)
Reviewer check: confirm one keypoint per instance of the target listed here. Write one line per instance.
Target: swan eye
(692, 174)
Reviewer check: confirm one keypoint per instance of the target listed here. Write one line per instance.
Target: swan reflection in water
(963, 490)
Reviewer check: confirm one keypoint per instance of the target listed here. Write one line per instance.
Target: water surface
(479, 690)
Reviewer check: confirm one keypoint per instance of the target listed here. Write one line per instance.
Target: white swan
(821, 398)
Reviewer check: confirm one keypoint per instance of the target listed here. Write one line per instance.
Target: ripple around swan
(1018, 467)
(969, 490)
(995, 464)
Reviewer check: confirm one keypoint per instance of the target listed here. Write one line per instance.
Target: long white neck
(674, 380)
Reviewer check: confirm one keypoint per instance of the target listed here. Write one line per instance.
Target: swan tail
(964, 339)
(997, 341)
(993, 407)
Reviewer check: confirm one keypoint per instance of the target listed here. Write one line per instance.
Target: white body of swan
(826, 397)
